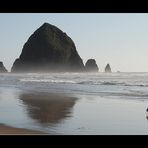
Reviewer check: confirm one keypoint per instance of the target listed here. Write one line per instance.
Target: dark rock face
(48, 49)
(2, 68)
(108, 68)
(91, 66)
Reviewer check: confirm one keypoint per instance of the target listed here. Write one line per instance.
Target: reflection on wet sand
(48, 108)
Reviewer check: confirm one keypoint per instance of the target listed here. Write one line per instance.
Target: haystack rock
(2, 68)
(91, 66)
(108, 68)
(48, 49)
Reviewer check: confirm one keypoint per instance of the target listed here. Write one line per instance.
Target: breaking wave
(47, 81)
(85, 82)
(123, 85)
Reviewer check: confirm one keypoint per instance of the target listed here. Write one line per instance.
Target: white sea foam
(47, 80)
(109, 84)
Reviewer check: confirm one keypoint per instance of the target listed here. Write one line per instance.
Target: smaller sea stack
(2, 68)
(91, 66)
(108, 68)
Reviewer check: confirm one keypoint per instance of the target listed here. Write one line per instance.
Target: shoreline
(8, 130)
(73, 109)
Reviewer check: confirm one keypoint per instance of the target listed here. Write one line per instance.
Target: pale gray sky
(120, 39)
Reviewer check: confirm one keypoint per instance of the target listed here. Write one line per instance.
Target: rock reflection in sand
(48, 108)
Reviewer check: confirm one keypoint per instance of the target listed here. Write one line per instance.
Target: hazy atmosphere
(74, 74)
(118, 39)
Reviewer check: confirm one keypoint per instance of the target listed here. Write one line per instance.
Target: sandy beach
(34, 104)
(29, 112)
(7, 130)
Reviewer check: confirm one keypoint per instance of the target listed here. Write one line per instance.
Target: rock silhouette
(48, 49)
(48, 108)
(2, 68)
(91, 66)
(107, 68)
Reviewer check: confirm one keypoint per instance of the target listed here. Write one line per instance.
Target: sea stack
(49, 49)
(91, 66)
(2, 68)
(108, 68)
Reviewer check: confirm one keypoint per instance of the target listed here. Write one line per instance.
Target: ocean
(76, 103)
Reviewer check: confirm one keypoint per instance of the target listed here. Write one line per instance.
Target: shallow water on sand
(72, 114)
(66, 107)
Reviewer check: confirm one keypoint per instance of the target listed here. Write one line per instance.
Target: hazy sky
(120, 39)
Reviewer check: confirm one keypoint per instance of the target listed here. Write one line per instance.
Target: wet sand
(25, 110)
(68, 114)
(7, 130)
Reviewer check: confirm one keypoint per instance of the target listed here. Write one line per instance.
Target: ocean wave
(85, 82)
(124, 84)
(99, 83)
(111, 83)
(47, 80)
